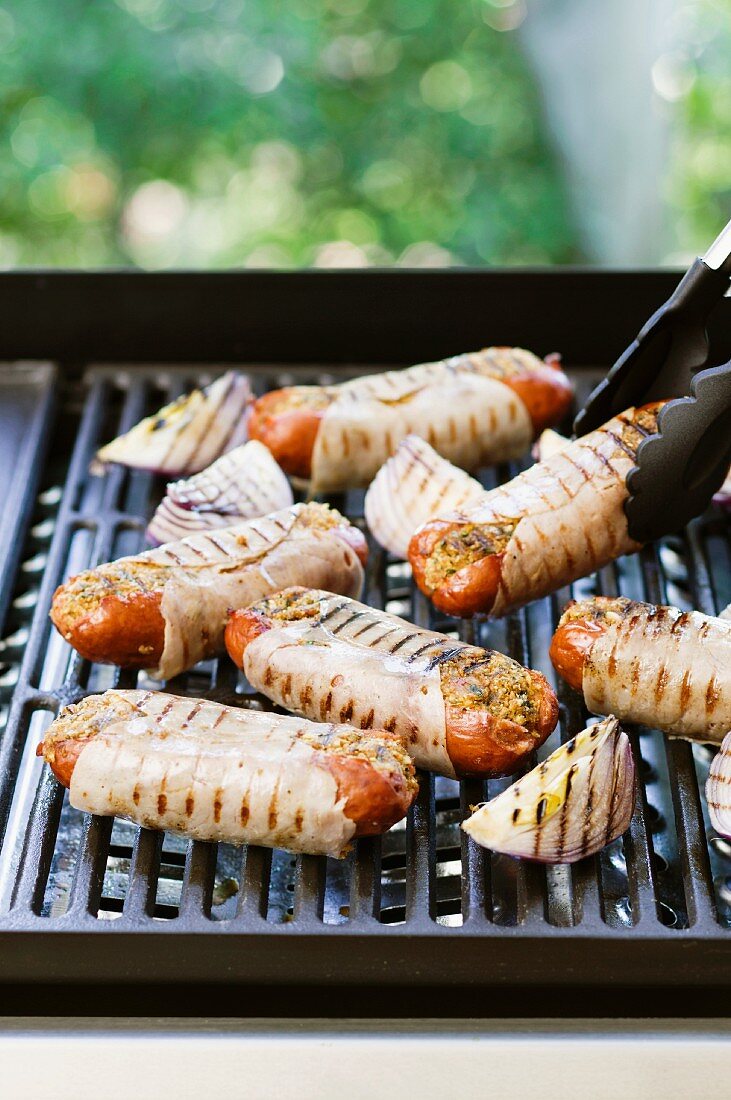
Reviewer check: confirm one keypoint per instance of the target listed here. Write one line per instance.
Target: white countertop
(107, 1059)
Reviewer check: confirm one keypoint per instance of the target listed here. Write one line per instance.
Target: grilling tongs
(679, 469)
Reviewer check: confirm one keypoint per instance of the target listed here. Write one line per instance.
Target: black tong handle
(667, 352)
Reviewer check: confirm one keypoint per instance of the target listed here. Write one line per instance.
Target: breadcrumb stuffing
(464, 545)
(598, 609)
(483, 679)
(82, 594)
(298, 397)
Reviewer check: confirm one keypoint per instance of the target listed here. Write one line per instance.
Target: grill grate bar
(38, 846)
(695, 865)
(254, 889)
(86, 891)
(198, 880)
(638, 852)
(476, 886)
(309, 890)
(139, 902)
(365, 882)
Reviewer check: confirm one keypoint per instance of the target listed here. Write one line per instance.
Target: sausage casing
(221, 773)
(462, 710)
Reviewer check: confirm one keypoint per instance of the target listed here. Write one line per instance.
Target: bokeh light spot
(446, 86)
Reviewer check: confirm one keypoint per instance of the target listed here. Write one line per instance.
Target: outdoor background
(287, 133)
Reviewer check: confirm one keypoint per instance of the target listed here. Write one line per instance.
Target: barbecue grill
(97, 915)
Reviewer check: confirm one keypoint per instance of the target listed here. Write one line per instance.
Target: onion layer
(718, 789)
(187, 435)
(413, 486)
(243, 484)
(549, 443)
(723, 496)
(573, 804)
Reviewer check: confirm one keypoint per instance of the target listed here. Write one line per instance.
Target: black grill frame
(306, 326)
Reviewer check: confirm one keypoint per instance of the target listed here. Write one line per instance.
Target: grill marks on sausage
(346, 622)
(713, 694)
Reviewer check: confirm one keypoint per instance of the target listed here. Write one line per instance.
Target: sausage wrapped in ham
(658, 666)
(559, 520)
(220, 773)
(165, 609)
(464, 711)
(474, 409)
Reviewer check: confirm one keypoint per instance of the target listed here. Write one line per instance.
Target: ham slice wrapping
(570, 516)
(381, 672)
(664, 668)
(470, 419)
(214, 773)
(235, 566)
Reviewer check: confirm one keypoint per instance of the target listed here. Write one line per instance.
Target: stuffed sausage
(464, 711)
(559, 520)
(165, 609)
(658, 666)
(221, 773)
(474, 409)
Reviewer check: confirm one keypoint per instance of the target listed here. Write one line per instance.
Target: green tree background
(209, 133)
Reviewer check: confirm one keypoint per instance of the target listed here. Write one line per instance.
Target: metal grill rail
(473, 916)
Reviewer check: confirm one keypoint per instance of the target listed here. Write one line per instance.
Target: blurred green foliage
(696, 78)
(273, 133)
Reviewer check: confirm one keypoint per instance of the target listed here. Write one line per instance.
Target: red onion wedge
(718, 789)
(549, 443)
(187, 435)
(413, 486)
(723, 496)
(243, 484)
(573, 804)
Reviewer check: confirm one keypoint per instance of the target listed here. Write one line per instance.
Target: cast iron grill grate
(670, 877)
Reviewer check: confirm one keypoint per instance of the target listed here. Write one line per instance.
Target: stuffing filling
(82, 594)
(386, 752)
(464, 545)
(290, 605)
(643, 422)
(84, 720)
(321, 516)
(597, 609)
(298, 397)
(479, 679)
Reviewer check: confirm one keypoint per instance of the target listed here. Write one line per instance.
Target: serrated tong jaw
(680, 468)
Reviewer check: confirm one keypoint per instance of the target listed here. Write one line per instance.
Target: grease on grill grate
(60, 865)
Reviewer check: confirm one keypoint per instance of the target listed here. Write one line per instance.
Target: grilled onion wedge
(572, 805)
